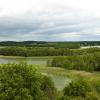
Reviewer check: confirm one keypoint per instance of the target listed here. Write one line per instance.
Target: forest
(72, 45)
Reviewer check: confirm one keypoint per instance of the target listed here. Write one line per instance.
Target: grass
(67, 73)
(93, 77)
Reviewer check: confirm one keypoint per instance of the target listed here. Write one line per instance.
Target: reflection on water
(29, 60)
(59, 81)
(85, 47)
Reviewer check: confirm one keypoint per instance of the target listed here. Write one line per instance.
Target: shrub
(79, 87)
(48, 88)
(22, 82)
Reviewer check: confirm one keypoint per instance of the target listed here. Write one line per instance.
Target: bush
(79, 87)
(48, 88)
(22, 82)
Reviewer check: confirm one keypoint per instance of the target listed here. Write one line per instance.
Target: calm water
(29, 60)
(84, 47)
(59, 81)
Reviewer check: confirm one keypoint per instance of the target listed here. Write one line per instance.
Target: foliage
(89, 62)
(23, 82)
(49, 51)
(24, 51)
(48, 88)
(79, 89)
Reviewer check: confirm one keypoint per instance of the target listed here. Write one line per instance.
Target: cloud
(49, 20)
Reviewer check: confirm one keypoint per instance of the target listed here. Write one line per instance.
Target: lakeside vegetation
(87, 62)
(44, 51)
(22, 81)
(30, 51)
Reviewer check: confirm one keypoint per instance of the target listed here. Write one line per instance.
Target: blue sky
(49, 20)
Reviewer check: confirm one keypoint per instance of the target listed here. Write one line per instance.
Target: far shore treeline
(68, 44)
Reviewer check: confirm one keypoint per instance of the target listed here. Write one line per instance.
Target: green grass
(67, 73)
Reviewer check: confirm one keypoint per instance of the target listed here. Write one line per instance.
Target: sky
(50, 20)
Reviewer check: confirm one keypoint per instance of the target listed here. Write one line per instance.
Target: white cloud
(18, 7)
(49, 19)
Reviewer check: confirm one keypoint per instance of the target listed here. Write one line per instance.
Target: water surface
(29, 60)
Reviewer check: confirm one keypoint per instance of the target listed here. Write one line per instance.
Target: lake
(59, 81)
(29, 60)
(84, 47)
